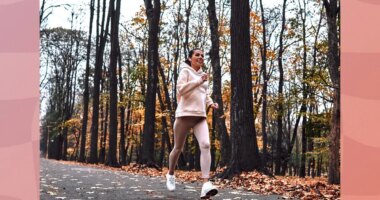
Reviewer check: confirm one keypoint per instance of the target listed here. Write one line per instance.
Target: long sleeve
(209, 101)
(184, 86)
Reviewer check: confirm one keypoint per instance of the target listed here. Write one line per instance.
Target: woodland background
(108, 90)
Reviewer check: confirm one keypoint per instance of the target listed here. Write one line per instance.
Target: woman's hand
(204, 77)
(214, 106)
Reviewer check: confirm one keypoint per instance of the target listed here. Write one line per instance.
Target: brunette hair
(191, 52)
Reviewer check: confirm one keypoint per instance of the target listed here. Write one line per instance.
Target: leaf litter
(289, 187)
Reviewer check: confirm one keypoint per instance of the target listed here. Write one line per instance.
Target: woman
(193, 99)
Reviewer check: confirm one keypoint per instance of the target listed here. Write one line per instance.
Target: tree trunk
(44, 139)
(165, 130)
(169, 108)
(213, 147)
(82, 152)
(68, 91)
(297, 156)
(319, 166)
(187, 156)
(42, 11)
(128, 130)
(162, 151)
(303, 149)
(186, 48)
(181, 160)
(196, 154)
(103, 126)
(265, 86)
(128, 120)
(103, 142)
(304, 91)
(280, 106)
(332, 11)
(175, 70)
(312, 167)
(131, 153)
(245, 153)
(122, 151)
(218, 114)
(97, 77)
(59, 146)
(153, 13)
(112, 141)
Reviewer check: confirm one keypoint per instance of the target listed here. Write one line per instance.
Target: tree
(303, 13)
(112, 144)
(85, 92)
(167, 106)
(153, 14)
(280, 106)
(61, 48)
(104, 115)
(245, 154)
(188, 8)
(122, 150)
(218, 114)
(332, 11)
(42, 11)
(47, 10)
(97, 77)
(265, 86)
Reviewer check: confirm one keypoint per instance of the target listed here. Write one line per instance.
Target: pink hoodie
(192, 93)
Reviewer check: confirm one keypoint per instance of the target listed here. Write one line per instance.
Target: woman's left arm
(210, 102)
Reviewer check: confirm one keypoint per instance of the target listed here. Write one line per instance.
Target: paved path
(76, 182)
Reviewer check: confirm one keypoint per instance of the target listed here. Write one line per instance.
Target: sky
(60, 16)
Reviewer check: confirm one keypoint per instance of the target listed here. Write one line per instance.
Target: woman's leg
(202, 135)
(182, 125)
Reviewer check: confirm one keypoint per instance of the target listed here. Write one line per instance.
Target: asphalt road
(76, 182)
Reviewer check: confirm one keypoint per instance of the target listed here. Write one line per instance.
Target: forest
(108, 84)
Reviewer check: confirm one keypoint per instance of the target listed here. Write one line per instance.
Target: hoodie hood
(185, 65)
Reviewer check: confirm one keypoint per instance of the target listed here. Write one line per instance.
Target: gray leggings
(182, 126)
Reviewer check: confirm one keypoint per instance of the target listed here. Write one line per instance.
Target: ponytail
(188, 62)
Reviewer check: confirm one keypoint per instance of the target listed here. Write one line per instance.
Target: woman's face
(197, 59)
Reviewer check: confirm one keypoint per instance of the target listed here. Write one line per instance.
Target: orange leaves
(139, 169)
(223, 28)
(254, 16)
(271, 55)
(138, 20)
(256, 25)
(73, 123)
(289, 187)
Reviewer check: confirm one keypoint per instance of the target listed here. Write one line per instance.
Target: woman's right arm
(184, 86)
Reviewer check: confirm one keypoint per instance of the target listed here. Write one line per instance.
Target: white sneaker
(208, 190)
(170, 182)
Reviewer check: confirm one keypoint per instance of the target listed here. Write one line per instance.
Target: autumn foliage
(288, 69)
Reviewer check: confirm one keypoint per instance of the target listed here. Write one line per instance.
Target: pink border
(19, 99)
(360, 99)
